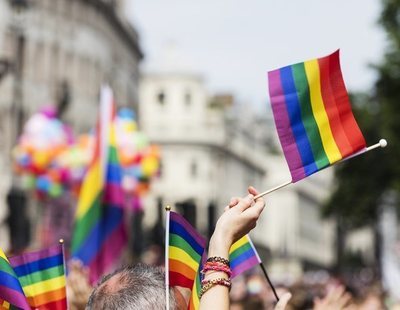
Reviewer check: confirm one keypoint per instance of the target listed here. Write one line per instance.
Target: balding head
(138, 287)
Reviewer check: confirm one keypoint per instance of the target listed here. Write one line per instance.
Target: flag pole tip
(168, 208)
(61, 241)
(383, 143)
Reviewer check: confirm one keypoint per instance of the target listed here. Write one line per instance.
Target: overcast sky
(233, 43)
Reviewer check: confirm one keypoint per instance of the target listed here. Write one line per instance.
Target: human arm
(238, 219)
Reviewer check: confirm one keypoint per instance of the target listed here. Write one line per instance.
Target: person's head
(136, 287)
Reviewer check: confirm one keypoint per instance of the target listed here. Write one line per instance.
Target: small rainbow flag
(42, 276)
(243, 256)
(185, 248)
(11, 292)
(313, 115)
(99, 234)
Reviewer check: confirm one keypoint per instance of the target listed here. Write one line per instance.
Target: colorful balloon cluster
(43, 139)
(140, 160)
(50, 161)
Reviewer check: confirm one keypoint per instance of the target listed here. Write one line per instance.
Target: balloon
(28, 181)
(55, 190)
(43, 183)
(40, 159)
(149, 166)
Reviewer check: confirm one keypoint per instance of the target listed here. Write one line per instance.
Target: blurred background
(196, 129)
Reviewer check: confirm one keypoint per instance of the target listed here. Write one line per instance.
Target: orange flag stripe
(177, 266)
(47, 297)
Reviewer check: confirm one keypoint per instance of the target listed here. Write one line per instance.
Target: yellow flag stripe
(2, 255)
(318, 108)
(91, 188)
(242, 241)
(180, 255)
(44, 286)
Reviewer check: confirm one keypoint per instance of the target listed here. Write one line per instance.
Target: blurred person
(336, 299)
(78, 286)
(143, 287)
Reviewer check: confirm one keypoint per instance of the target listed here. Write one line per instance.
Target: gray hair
(134, 287)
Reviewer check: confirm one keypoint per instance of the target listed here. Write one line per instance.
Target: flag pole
(61, 243)
(263, 268)
(269, 281)
(273, 189)
(382, 143)
(168, 209)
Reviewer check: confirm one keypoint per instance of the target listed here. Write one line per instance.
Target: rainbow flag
(313, 116)
(11, 292)
(99, 234)
(243, 256)
(185, 248)
(42, 276)
(194, 303)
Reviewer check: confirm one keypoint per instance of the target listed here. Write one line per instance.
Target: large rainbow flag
(11, 294)
(194, 303)
(42, 276)
(185, 248)
(99, 235)
(313, 116)
(243, 256)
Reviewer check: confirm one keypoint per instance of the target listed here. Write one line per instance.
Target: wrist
(219, 246)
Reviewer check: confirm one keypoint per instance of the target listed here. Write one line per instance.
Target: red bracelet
(217, 267)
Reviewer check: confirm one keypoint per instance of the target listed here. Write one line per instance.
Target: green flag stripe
(239, 251)
(5, 266)
(84, 225)
(307, 116)
(179, 242)
(42, 275)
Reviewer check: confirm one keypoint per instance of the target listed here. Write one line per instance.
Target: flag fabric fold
(42, 276)
(243, 256)
(186, 247)
(313, 116)
(11, 292)
(99, 233)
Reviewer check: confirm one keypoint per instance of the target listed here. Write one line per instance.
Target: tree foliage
(362, 182)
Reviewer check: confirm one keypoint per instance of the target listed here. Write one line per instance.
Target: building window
(188, 98)
(161, 97)
(193, 169)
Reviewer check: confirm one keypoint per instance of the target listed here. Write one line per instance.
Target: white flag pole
(382, 143)
(167, 217)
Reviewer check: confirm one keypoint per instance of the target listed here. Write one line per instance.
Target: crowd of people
(142, 286)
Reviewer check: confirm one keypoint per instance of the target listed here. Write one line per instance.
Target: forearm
(218, 296)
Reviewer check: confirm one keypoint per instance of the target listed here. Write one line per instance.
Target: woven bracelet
(219, 260)
(207, 284)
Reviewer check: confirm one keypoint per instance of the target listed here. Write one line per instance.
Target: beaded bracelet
(219, 259)
(214, 266)
(207, 284)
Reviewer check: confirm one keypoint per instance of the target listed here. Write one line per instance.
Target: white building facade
(68, 49)
(211, 152)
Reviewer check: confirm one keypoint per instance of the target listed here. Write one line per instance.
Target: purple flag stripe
(246, 265)
(27, 258)
(110, 249)
(113, 194)
(283, 126)
(14, 297)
